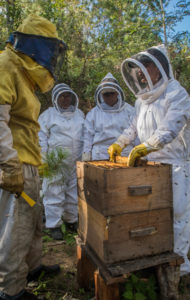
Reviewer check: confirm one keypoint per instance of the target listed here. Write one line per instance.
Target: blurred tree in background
(100, 34)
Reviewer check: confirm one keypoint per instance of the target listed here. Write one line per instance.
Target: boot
(43, 218)
(56, 233)
(25, 296)
(48, 270)
(72, 227)
(28, 296)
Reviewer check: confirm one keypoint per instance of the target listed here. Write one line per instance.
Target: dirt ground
(64, 286)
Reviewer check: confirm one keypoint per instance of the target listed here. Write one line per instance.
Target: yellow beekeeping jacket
(18, 90)
(19, 77)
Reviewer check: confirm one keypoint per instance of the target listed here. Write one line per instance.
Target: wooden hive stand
(106, 278)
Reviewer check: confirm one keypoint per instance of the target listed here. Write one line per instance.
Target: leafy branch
(55, 164)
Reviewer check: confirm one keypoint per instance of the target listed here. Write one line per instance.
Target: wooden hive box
(125, 213)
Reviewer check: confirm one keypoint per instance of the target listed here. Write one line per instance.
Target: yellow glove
(12, 179)
(113, 150)
(137, 152)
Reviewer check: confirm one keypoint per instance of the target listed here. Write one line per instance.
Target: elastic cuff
(15, 297)
(122, 141)
(150, 147)
(154, 143)
(146, 145)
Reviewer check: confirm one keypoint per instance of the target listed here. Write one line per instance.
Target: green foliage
(55, 164)
(82, 291)
(180, 57)
(139, 288)
(100, 34)
(41, 286)
(181, 286)
(47, 238)
(69, 237)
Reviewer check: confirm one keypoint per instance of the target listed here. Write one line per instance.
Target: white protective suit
(163, 122)
(104, 123)
(63, 129)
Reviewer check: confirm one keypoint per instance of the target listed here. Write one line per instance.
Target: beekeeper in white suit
(162, 124)
(62, 126)
(106, 120)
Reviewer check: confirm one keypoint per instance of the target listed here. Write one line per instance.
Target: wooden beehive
(125, 213)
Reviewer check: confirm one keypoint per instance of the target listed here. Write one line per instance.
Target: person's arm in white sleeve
(126, 138)
(10, 166)
(88, 136)
(129, 134)
(178, 113)
(44, 131)
(11, 176)
(132, 122)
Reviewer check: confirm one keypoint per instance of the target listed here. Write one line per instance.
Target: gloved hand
(86, 156)
(113, 150)
(139, 151)
(12, 179)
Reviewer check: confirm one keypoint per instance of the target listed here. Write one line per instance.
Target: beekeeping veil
(60, 89)
(133, 67)
(107, 85)
(37, 38)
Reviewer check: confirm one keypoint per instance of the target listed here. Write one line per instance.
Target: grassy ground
(64, 286)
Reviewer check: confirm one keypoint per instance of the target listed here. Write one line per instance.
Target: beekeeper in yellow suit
(27, 63)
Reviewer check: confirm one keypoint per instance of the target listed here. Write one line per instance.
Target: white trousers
(60, 201)
(181, 198)
(20, 234)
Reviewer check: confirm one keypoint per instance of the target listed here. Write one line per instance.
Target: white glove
(86, 156)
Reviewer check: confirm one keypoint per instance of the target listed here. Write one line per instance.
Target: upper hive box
(125, 212)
